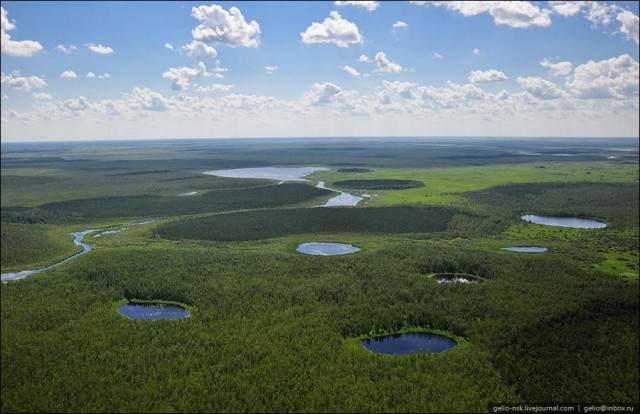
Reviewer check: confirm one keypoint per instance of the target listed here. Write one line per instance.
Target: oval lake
(326, 249)
(419, 342)
(525, 249)
(454, 278)
(573, 222)
(153, 311)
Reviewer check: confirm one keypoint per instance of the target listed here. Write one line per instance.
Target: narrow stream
(22, 274)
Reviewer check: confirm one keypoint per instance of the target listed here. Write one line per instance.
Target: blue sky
(129, 70)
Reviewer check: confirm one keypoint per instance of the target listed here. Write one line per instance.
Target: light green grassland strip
(443, 184)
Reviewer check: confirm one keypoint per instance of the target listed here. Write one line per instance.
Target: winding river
(78, 241)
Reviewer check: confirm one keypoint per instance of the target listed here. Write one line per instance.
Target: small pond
(190, 193)
(152, 311)
(525, 249)
(270, 173)
(326, 249)
(406, 343)
(455, 278)
(573, 222)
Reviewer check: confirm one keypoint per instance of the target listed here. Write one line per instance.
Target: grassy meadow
(274, 330)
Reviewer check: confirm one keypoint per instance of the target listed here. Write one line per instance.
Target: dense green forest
(386, 184)
(274, 330)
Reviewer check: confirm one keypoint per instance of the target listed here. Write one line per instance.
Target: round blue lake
(153, 311)
(573, 222)
(326, 249)
(406, 343)
(525, 249)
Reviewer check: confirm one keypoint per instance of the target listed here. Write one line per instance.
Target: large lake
(268, 173)
(573, 222)
(326, 249)
(419, 342)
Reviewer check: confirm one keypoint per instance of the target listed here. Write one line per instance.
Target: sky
(152, 70)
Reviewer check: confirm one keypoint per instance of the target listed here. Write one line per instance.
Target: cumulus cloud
(42, 96)
(438, 55)
(92, 75)
(541, 88)
(567, 8)
(517, 14)
(69, 74)
(613, 78)
(199, 50)
(16, 81)
(168, 46)
(385, 65)
(400, 25)
(601, 14)
(629, 26)
(182, 76)
(363, 58)
(21, 48)
(66, 49)
(369, 5)
(216, 87)
(491, 75)
(270, 69)
(221, 27)
(557, 69)
(334, 29)
(351, 71)
(99, 49)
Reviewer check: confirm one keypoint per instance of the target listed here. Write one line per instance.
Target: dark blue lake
(406, 343)
(153, 311)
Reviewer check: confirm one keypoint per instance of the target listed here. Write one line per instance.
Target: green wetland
(271, 329)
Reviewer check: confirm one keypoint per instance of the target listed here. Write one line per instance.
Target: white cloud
(491, 75)
(567, 8)
(334, 29)
(517, 14)
(613, 78)
(168, 46)
(363, 58)
(182, 76)
(351, 71)
(69, 74)
(400, 25)
(438, 55)
(629, 26)
(42, 96)
(557, 69)
(541, 88)
(147, 100)
(476, 51)
(92, 75)
(270, 69)
(221, 27)
(385, 65)
(199, 50)
(369, 5)
(99, 49)
(600, 14)
(216, 87)
(21, 48)
(66, 49)
(15, 81)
